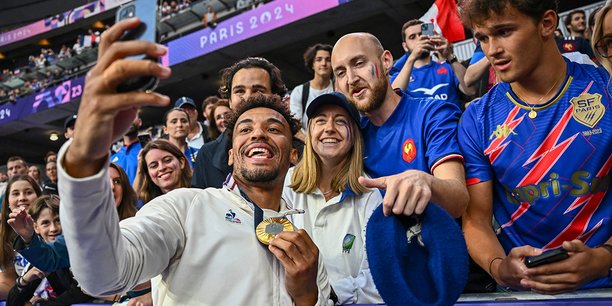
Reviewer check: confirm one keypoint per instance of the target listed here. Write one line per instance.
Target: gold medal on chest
(270, 227)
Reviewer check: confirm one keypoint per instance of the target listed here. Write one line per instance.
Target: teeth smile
(329, 140)
(261, 153)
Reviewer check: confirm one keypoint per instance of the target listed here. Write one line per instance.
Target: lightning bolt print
(545, 157)
(578, 227)
(497, 146)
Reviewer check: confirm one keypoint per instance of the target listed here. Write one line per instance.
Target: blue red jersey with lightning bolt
(420, 134)
(551, 173)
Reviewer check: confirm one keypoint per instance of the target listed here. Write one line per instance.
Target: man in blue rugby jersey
(537, 151)
(410, 143)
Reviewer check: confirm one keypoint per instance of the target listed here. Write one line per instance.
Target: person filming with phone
(419, 75)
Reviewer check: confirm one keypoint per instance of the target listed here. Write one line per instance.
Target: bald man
(411, 147)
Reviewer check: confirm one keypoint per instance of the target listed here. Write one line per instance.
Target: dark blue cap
(334, 98)
(184, 100)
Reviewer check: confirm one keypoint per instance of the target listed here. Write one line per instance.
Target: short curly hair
(476, 11)
(273, 102)
(311, 52)
(276, 81)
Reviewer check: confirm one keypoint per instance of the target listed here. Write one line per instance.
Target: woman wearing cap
(337, 207)
(176, 125)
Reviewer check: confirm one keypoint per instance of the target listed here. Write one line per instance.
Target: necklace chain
(532, 112)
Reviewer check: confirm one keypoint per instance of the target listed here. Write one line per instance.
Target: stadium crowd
(273, 189)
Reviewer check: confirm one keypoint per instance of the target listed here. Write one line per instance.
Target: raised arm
(89, 218)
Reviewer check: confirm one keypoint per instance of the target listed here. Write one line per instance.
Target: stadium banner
(265, 18)
(64, 92)
(59, 20)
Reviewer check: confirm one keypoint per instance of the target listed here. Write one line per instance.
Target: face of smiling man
(262, 149)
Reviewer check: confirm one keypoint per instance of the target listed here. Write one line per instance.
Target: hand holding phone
(146, 11)
(427, 29)
(546, 258)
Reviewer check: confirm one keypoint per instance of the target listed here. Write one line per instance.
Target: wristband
(18, 282)
(491, 264)
(452, 59)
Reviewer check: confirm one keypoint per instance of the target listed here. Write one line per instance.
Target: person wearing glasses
(602, 37)
(217, 119)
(538, 153)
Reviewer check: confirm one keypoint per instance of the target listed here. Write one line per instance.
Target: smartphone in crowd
(427, 29)
(546, 258)
(146, 11)
(144, 138)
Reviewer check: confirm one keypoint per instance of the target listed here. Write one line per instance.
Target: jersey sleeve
(441, 132)
(477, 166)
(478, 55)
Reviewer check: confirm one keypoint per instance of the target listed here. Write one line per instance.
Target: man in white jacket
(202, 242)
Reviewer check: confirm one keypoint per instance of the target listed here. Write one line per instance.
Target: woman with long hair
(217, 119)
(21, 191)
(124, 194)
(161, 168)
(176, 125)
(325, 185)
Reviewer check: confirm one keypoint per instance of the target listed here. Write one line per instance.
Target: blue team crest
(230, 216)
(347, 243)
(588, 109)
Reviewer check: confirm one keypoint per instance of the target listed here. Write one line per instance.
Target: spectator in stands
(247, 77)
(123, 193)
(163, 168)
(176, 126)
(602, 38)
(571, 44)
(21, 191)
(16, 165)
(420, 131)
(174, 7)
(317, 60)
(195, 138)
(325, 184)
(575, 23)
(210, 17)
(34, 172)
(523, 140)
(78, 45)
(420, 76)
(50, 184)
(3, 175)
(207, 105)
(127, 156)
(52, 257)
(57, 288)
(65, 52)
(69, 126)
(218, 118)
(166, 9)
(51, 156)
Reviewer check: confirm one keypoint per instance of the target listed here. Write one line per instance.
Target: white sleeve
(139, 249)
(361, 289)
(296, 102)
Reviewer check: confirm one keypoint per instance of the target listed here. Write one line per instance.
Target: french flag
(443, 14)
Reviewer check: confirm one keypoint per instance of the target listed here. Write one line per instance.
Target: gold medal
(533, 114)
(269, 228)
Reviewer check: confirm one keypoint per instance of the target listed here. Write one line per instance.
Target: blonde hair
(305, 178)
(598, 34)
